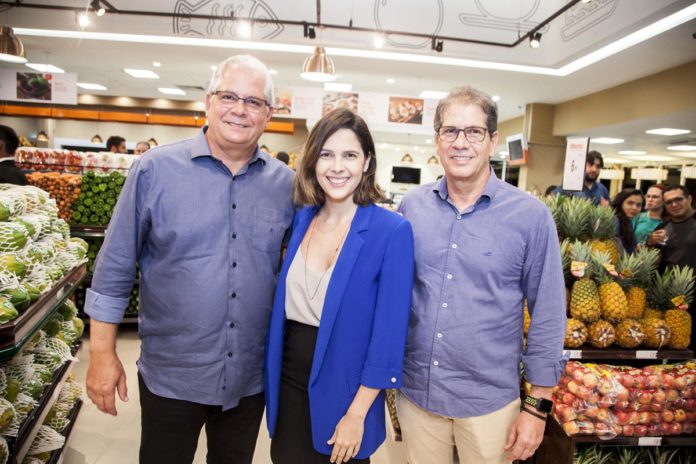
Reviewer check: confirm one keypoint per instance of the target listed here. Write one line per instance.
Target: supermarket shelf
(30, 427)
(623, 354)
(58, 456)
(88, 231)
(14, 334)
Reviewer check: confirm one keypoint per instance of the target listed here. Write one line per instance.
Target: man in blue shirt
(204, 219)
(481, 248)
(592, 188)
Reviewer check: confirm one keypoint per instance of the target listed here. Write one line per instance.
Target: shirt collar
(489, 191)
(201, 148)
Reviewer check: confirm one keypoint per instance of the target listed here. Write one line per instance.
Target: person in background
(283, 157)
(627, 204)
(265, 149)
(551, 189)
(646, 222)
(116, 144)
(676, 236)
(340, 316)
(482, 247)
(9, 174)
(204, 218)
(141, 147)
(592, 189)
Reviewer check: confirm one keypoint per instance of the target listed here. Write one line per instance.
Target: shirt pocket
(267, 229)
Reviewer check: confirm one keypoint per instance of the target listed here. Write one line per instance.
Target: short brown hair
(306, 189)
(469, 96)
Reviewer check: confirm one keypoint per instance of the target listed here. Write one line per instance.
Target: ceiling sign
(38, 87)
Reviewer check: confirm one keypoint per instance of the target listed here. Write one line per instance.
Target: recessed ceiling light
(142, 73)
(631, 152)
(334, 87)
(391, 80)
(432, 94)
(272, 71)
(428, 140)
(495, 98)
(156, 64)
(171, 91)
(667, 131)
(682, 147)
(606, 140)
(45, 68)
(90, 86)
(244, 29)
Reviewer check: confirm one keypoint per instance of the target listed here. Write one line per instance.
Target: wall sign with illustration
(38, 87)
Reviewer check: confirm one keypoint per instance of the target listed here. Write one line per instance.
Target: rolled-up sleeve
(544, 288)
(384, 363)
(115, 267)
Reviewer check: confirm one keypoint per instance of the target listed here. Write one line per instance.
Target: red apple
(627, 380)
(605, 386)
(679, 404)
(621, 393)
(655, 417)
(653, 382)
(621, 417)
(691, 405)
(644, 418)
(645, 397)
(679, 415)
(583, 392)
(602, 415)
(591, 412)
(689, 428)
(606, 401)
(589, 380)
(593, 399)
(564, 381)
(640, 381)
(571, 428)
(677, 429)
(568, 398)
(667, 380)
(665, 428)
(622, 405)
(667, 416)
(659, 396)
(601, 428)
(633, 394)
(641, 430)
(633, 418)
(573, 387)
(578, 375)
(671, 394)
(578, 404)
(657, 407)
(628, 431)
(586, 427)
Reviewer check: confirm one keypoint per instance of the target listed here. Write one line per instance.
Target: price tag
(573, 354)
(646, 354)
(649, 441)
(60, 292)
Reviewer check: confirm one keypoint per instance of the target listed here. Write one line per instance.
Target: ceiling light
(335, 87)
(428, 140)
(407, 158)
(495, 98)
(432, 94)
(631, 152)
(96, 139)
(682, 147)
(171, 91)
(308, 31)
(391, 80)
(90, 86)
(213, 67)
(610, 160)
(318, 67)
(141, 73)
(11, 48)
(244, 29)
(535, 40)
(83, 19)
(42, 137)
(437, 45)
(44, 68)
(378, 41)
(667, 131)
(156, 64)
(272, 71)
(606, 140)
(98, 9)
(652, 158)
(585, 1)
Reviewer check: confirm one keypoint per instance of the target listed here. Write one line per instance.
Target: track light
(437, 45)
(98, 9)
(318, 67)
(535, 40)
(309, 31)
(83, 19)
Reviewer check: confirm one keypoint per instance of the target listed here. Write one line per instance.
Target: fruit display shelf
(88, 231)
(621, 354)
(57, 457)
(16, 333)
(30, 427)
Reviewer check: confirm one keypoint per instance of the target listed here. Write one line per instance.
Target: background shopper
(627, 204)
(646, 222)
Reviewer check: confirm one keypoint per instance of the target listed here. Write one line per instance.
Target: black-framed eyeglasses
(473, 134)
(675, 201)
(250, 103)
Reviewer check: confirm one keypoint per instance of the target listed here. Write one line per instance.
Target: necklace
(333, 257)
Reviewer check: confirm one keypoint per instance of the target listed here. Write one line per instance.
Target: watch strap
(533, 413)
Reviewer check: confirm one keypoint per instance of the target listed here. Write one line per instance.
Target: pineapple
(573, 218)
(678, 319)
(611, 297)
(584, 298)
(637, 270)
(652, 314)
(657, 333)
(576, 334)
(602, 229)
(601, 334)
(637, 299)
(629, 333)
(629, 455)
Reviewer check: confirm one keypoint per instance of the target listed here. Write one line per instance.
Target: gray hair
(469, 96)
(246, 62)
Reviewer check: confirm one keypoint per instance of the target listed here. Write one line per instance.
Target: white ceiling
(581, 30)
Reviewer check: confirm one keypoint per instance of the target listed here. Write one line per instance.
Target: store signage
(649, 441)
(574, 168)
(38, 87)
(689, 172)
(649, 174)
(646, 354)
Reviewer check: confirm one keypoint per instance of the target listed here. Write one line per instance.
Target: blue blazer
(363, 327)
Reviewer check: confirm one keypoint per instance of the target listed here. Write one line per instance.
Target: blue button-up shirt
(208, 245)
(473, 270)
(594, 193)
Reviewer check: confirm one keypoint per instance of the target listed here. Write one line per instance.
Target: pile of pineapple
(615, 298)
(596, 454)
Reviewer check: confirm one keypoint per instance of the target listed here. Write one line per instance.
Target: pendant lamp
(11, 48)
(318, 67)
(152, 142)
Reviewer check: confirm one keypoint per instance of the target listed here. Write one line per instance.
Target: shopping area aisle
(98, 438)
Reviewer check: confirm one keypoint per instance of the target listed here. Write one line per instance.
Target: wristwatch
(540, 404)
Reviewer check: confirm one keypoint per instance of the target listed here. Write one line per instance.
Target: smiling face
(632, 206)
(677, 204)
(340, 166)
(234, 126)
(463, 160)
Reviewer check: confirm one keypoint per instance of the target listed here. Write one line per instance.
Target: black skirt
(292, 442)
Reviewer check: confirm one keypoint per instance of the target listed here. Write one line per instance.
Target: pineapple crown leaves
(582, 252)
(648, 258)
(573, 218)
(602, 222)
(657, 291)
(681, 284)
(602, 275)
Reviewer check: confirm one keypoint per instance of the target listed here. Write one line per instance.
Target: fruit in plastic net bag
(43, 373)
(68, 332)
(79, 325)
(46, 440)
(48, 358)
(53, 325)
(7, 413)
(23, 405)
(11, 204)
(42, 459)
(68, 310)
(56, 346)
(4, 451)
(70, 393)
(38, 337)
(12, 390)
(14, 263)
(33, 291)
(18, 296)
(13, 236)
(7, 310)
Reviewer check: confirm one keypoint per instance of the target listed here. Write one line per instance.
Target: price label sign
(649, 441)
(60, 293)
(573, 354)
(646, 354)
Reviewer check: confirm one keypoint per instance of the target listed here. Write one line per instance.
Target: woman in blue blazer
(340, 315)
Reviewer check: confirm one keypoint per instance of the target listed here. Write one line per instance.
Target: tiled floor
(98, 438)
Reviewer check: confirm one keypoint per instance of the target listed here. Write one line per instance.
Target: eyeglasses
(674, 201)
(473, 134)
(254, 104)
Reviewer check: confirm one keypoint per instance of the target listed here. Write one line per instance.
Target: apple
(680, 382)
(690, 416)
(621, 393)
(672, 394)
(628, 431)
(627, 380)
(571, 428)
(635, 406)
(578, 404)
(621, 417)
(677, 429)
(573, 387)
(653, 382)
(564, 381)
(640, 381)
(622, 405)
(689, 428)
(589, 380)
(645, 397)
(691, 404)
(641, 430)
(601, 428)
(657, 407)
(633, 394)
(606, 401)
(679, 404)
(679, 415)
(586, 427)
(667, 416)
(659, 396)
(591, 412)
(655, 417)
(602, 415)
(665, 428)
(569, 414)
(689, 392)
(668, 380)
(578, 375)
(568, 398)
(633, 418)
(583, 392)
(644, 418)
(605, 386)
(593, 399)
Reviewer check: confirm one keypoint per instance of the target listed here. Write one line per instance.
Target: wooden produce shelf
(17, 332)
(621, 354)
(88, 231)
